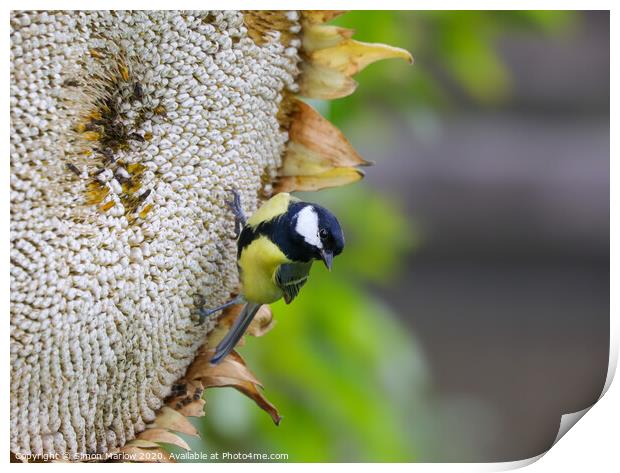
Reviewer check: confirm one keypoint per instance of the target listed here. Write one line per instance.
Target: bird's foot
(237, 209)
(204, 314)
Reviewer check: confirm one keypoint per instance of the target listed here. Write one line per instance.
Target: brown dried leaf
(333, 178)
(193, 409)
(229, 316)
(232, 372)
(231, 367)
(263, 322)
(318, 155)
(163, 436)
(138, 442)
(172, 420)
(261, 401)
(219, 332)
(201, 366)
(247, 388)
(314, 135)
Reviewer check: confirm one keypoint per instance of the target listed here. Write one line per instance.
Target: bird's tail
(236, 332)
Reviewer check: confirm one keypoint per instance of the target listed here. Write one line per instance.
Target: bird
(276, 247)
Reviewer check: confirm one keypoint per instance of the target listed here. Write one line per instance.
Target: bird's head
(318, 233)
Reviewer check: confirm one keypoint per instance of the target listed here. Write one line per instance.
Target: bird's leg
(235, 206)
(206, 313)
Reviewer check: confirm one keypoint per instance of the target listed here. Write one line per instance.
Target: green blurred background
(343, 364)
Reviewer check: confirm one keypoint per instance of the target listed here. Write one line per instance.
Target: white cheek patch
(308, 226)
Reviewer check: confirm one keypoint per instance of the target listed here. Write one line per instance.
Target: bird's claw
(237, 209)
(204, 314)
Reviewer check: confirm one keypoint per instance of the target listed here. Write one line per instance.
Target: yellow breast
(258, 263)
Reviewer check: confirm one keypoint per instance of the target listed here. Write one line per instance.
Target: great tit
(276, 247)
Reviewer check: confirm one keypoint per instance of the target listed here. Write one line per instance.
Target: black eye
(323, 233)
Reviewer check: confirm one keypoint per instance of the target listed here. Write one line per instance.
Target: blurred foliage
(456, 53)
(340, 366)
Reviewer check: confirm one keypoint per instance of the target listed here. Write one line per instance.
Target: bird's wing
(290, 277)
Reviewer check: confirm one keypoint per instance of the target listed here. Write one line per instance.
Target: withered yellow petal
(301, 161)
(351, 56)
(324, 36)
(319, 16)
(333, 178)
(321, 82)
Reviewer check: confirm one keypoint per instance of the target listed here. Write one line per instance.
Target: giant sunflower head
(128, 129)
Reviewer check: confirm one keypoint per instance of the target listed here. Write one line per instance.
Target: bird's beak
(328, 258)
